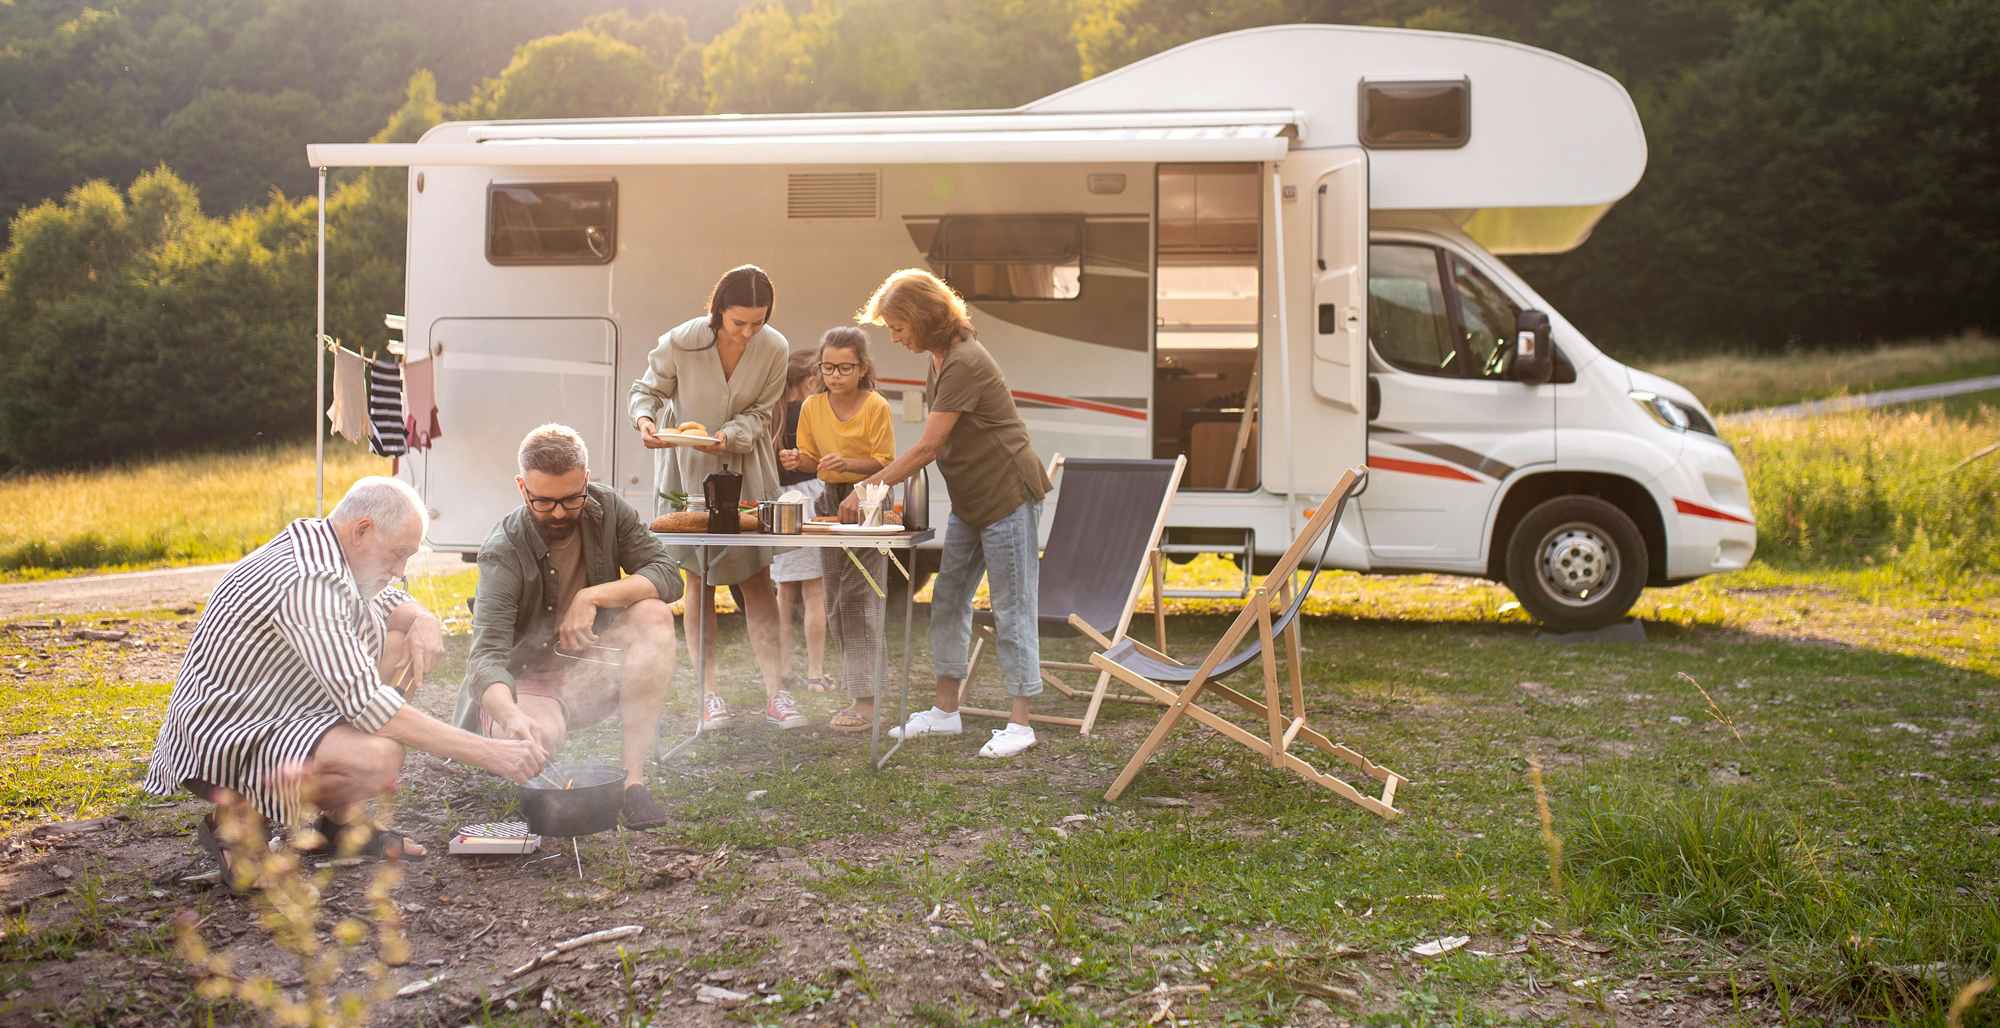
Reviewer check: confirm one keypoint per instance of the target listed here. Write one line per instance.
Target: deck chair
(1152, 672)
(1103, 545)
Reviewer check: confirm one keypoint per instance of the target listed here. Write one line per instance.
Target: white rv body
(1232, 174)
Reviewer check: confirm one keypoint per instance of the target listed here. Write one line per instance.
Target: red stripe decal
(1697, 510)
(1412, 467)
(1054, 401)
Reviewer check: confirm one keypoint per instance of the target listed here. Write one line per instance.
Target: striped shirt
(286, 650)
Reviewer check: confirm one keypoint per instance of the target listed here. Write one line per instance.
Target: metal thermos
(917, 501)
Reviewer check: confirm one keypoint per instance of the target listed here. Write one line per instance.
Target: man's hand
(850, 509)
(832, 462)
(426, 643)
(578, 628)
(520, 726)
(516, 760)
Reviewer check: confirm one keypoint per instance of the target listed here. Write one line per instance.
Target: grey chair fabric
(1098, 542)
(1127, 653)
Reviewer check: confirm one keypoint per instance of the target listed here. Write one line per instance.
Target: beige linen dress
(684, 376)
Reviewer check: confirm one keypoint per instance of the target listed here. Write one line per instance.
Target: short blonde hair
(921, 300)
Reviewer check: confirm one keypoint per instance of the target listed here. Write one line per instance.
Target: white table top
(812, 541)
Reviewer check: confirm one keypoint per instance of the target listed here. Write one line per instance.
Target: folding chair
(1151, 672)
(1103, 542)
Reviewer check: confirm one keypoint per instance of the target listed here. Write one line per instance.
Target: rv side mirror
(1534, 354)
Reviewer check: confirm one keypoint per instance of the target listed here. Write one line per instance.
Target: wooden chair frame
(1153, 569)
(1281, 733)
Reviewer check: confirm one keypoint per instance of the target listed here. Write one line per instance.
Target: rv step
(1246, 558)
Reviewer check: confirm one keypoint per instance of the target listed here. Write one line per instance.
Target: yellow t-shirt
(871, 433)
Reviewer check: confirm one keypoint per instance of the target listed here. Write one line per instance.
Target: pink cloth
(420, 414)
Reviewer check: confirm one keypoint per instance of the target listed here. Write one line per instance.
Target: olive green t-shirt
(988, 465)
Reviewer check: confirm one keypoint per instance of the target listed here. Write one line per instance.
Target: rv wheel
(1576, 562)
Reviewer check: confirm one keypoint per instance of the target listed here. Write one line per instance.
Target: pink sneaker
(714, 713)
(783, 711)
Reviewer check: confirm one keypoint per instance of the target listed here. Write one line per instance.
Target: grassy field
(1733, 382)
(1803, 832)
(189, 510)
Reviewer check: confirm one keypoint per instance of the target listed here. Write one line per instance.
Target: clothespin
(332, 345)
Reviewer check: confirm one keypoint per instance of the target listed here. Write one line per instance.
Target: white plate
(826, 528)
(688, 438)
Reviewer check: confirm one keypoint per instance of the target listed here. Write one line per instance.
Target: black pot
(590, 804)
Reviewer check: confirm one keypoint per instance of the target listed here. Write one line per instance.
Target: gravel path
(141, 590)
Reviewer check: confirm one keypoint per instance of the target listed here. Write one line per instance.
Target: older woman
(996, 483)
(726, 370)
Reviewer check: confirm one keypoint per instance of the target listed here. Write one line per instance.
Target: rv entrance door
(497, 379)
(1323, 392)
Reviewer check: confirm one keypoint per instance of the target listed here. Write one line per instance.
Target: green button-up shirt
(514, 616)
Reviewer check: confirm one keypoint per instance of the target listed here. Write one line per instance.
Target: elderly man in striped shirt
(283, 699)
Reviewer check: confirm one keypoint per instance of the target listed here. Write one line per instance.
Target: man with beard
(293, 694)
(559, 639)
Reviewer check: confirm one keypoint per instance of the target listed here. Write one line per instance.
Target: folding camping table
(707, 542)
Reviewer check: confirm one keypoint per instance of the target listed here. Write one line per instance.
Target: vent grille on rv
(847, 195)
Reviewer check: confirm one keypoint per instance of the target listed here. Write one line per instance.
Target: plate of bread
(688, 433)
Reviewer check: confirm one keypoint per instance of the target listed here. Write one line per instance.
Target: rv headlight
(1672, 413)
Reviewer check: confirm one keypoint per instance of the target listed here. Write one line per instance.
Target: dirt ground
(143, 590)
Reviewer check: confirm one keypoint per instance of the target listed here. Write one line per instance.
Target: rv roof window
(1416, 115)
(552, 222)
(1010, 257)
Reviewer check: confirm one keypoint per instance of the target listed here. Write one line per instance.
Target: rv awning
(887, 139)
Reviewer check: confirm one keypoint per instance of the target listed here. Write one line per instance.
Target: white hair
(383, 500)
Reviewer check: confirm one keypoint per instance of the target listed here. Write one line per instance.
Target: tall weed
(1875, 488)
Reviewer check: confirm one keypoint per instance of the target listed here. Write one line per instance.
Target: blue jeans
(1005, 552)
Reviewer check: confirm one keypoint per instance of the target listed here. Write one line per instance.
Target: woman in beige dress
(726, 370)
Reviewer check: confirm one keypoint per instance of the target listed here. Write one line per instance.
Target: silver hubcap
(1577, 564)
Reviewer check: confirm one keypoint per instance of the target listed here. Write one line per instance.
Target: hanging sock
(385, 408)
(420, 416)
(349, 413)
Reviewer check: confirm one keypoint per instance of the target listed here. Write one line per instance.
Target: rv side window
(1416, 115)
(1010, 257)
(551, 222)
(1408, 321)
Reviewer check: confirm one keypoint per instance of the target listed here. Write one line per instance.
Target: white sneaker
(928, 722)
(1008, 741)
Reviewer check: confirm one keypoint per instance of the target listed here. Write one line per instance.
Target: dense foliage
(1821, 171)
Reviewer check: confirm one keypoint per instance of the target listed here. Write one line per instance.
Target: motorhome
(1275, 251)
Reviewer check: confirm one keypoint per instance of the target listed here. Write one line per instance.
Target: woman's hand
(649, 435)
(850, 509)
(832, 462)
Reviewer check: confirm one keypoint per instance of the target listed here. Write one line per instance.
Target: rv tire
(1576, 563)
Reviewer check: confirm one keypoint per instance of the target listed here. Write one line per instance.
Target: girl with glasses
(846, 433)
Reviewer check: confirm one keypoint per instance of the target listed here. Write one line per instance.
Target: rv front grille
(829, 195)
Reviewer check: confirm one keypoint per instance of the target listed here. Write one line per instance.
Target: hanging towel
(349, 412)
(385, 408)
(420, 415)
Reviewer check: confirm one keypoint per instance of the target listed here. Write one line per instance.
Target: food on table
(747, 521)
(682, 521)
(827, 519)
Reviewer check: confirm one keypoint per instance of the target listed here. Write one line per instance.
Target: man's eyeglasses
(545, 504)
(839, 369)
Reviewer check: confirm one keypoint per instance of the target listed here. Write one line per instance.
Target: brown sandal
(848, 721)
(820, 683)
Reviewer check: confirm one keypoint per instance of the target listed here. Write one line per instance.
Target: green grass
(1734, 382)
(183, 510)
(1876, 488)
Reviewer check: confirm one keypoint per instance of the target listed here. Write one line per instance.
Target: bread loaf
(682, 521)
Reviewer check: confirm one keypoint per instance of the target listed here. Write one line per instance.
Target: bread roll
(692, 428)
(682, 521)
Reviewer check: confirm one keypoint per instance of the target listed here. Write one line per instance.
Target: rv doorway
(1206, 340)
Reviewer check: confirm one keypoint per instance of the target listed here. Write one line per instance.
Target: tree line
(1821, 172)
